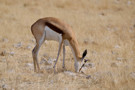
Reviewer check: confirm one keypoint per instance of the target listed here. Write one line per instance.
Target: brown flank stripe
(56, 29)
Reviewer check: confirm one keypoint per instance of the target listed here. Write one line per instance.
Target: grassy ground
(106, 28)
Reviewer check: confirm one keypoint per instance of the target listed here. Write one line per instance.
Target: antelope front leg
(60, 45)
(63, 65)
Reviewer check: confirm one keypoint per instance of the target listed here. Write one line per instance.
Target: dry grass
(105, 27)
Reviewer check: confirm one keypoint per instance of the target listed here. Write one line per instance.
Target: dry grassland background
(106, 28)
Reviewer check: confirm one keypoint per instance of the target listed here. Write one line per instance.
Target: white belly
(52, 35)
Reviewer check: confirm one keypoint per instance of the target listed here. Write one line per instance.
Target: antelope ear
(84, 53)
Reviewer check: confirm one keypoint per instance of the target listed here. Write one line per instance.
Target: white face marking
(52, 35)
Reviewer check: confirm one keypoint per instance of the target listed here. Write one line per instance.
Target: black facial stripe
(56, 29)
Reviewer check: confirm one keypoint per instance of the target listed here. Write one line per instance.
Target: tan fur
(38, 29)
(60, 27)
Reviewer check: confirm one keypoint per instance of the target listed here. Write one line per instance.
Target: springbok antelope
(50, 28)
